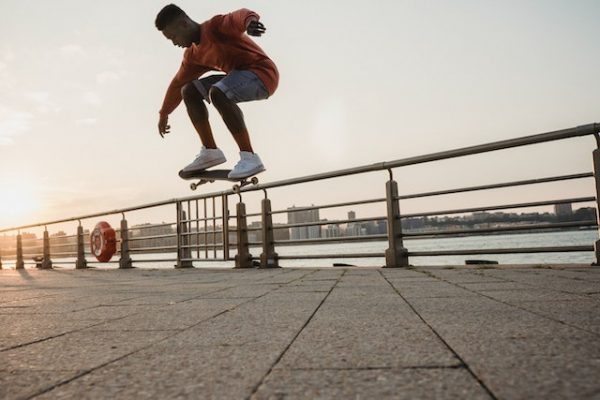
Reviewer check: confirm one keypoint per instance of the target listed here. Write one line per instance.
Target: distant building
(332, 231)
(303, 216)
(563, 210)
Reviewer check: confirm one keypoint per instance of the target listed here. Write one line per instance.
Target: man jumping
(219, 44)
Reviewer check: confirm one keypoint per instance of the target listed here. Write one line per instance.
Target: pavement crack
(462, 361)
(260, 383)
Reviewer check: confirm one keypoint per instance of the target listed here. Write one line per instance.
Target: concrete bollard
(596, 161)
(184, 253)
(19, 264)
(125, 260)
(81, 262)
(396, 255)
(46, 261)
(269, 258)
(243, 258)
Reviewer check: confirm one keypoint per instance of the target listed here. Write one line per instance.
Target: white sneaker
(249, 164)
(206, 159)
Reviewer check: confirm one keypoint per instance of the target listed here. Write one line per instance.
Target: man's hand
(163, 126)
(255, 28)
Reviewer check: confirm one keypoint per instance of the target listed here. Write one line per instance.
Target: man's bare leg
(194, 102)
(233, 117)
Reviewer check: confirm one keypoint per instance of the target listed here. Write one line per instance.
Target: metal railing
(202, 232)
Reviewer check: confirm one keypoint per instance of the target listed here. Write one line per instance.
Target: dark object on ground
(343, 265)
(479, 262)
(38, 261)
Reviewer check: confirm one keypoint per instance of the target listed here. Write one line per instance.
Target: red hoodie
(223, 46)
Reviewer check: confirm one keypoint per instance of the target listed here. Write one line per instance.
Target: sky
(81, 83)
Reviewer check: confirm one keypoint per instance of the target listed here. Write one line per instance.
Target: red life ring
(103, 242)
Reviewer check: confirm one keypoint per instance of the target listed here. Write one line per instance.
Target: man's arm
(186, 73)
(238, 22)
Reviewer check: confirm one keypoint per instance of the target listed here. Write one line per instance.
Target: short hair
(167, 15)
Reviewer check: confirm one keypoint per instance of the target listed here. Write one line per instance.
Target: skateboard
(211, 175)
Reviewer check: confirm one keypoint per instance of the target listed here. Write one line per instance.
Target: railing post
(243, 258)
(596, 157)
(183, 252)
(225, 206)
(46, 261)
(19, 264)
(268, 258)
(396, 255)
(81, 261)
(125, 260)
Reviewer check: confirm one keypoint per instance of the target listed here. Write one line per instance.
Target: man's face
(178, 33)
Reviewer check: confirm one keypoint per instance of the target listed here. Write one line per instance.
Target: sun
(18, 201)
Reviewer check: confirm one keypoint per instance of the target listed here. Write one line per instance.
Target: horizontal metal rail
(199, 233)
(345, 239)
(497, 186)
(522, 250)
(527, 227)
(326, 256)
(501, 207)
(325, 206)
(137, 238)
(154, 249)
(334, 222)
(143, 227)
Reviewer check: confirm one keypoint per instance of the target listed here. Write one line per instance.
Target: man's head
(175, 24)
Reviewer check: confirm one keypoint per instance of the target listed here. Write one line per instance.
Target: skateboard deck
(211, 175)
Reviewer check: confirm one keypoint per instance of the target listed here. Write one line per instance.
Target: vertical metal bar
(178, 233)
(268, 258)
(225, 211)
(205, 233)
(596, 158)
(243, 258)
(214, 228)
(20, 264)
(197, 232)
(81, 261)
(186, 252)
(125, 260)
(46, 261)
(189, 228)
(396, 254)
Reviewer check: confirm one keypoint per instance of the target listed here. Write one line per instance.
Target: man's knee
(218, 98)
(190, 93)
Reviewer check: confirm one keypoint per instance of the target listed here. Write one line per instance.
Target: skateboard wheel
(254, 180)
(236, 189)
(193, 186)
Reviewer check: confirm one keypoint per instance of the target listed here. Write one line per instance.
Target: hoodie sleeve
(187, 73)
(235, 23)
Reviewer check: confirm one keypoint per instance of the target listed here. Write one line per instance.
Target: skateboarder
(219, 44)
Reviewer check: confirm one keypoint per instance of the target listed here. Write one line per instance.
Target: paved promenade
(328, 333)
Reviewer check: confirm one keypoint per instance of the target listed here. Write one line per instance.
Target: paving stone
(446, 383)
(77, 351)
(22, 384)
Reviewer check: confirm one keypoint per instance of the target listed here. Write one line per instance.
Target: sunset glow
(17, 202)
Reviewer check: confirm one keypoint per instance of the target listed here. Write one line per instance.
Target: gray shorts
(238, 86)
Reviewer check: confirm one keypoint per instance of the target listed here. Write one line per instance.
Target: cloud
(13, 123)
(72, 50)
(107, 77)
(87, 121)
(92, 98)
(44, 104)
